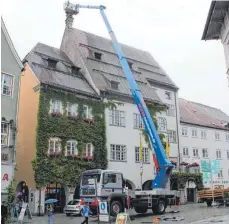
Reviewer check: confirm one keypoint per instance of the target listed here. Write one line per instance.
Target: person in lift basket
(86, 212)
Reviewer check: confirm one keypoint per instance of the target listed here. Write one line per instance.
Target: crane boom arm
(164, 164)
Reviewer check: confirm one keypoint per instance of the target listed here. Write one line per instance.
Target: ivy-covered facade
(60, 162)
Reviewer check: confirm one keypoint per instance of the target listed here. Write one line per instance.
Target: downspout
(178, 128)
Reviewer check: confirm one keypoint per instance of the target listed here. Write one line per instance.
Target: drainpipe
(178, 127)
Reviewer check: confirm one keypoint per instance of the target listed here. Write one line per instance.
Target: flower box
(88, 157)
(56, 114)
(73, 117)
(89, 120)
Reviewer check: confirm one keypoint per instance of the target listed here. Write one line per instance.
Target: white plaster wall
(211, 144)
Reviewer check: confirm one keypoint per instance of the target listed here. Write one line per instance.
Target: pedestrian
(4, 212)
(86, 212)
(50, 211)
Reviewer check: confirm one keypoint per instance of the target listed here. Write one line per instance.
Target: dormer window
(98, 55)
(75, 70)
(52, 63)
(114, 85)
(130, 64)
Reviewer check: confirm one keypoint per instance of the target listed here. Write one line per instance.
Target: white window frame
(162, 124)
(203, 134)
(167, 93)
(218, 154)
(195, 152)
(227, 137)
(117, 118)
(185, 151)
(172, 136)
(145, 155)
(137, 121)
(171, 111)
(72, 109)
(204, 153)
(5, 135)
(217, 136)
(56, 145)
(86, 153)
(3, 74)
(184, 131)
(87, 112)
(118, 149)
(73, 148)
(56, 106)
(194, 131)
(220, 174)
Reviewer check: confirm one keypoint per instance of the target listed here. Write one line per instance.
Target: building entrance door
(190, 194)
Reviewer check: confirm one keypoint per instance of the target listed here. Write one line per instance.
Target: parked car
(73, 207)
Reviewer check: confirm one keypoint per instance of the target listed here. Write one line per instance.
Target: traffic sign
(103, 207)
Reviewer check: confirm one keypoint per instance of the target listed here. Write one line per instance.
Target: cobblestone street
(192, 213)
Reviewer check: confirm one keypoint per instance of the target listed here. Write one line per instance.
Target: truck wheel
(116, 208)
(141, 210)
(160, 207)
(209, 203)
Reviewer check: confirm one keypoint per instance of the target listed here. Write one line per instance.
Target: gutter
(208, 20)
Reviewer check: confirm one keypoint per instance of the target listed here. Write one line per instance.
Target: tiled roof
(80, 46)
(60, 76)
(199, 114)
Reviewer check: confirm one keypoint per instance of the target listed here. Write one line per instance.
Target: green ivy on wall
(9, 203)
(62, 169)
(154, 109)
(178, 180)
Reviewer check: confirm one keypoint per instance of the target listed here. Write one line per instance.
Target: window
(138, 122)
(118, 152)
(130, 64)
(162, 124)
(217, 136)
(227, 154)
(88, 150)
(7, 84)
(117, 117)
(52, 63)
(55, 106)
(87, 112)
(114, 85)
(4, 157)
(54, 146)
(75, 70)
(168, 95)
(205, 153)
(227, 137)
(172, 138)
(218, 154)
(185, 151)
(203, 134)
(194, 133)
(98, 55)
(72, 109)
(4, 134)
(195, 152)
(184, 131)
(71, 148)
(171, 110)
(109, 178)
(220, 174)
(145, 155)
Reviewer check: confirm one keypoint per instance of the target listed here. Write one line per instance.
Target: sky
(170, 30)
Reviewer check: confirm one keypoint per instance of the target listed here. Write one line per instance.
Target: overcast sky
(170, 30)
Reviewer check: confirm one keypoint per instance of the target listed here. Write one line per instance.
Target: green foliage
(10, 198)
(154, 109)
(179, 180)
(61, 169)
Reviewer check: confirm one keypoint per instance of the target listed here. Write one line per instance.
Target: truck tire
(160, 207)
(116, 207)
(141, 210)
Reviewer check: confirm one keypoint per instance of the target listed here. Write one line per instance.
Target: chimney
(69, 20)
